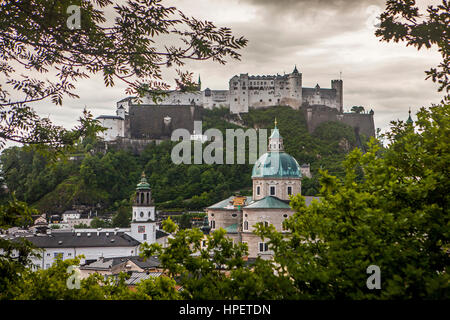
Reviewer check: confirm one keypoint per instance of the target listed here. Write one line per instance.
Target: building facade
(99, 243)
(276, 176)
(249, 91)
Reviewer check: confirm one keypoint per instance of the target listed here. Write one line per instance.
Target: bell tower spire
(143, 227)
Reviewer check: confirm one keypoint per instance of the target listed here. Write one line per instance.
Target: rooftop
(269, 202)
(75, 239)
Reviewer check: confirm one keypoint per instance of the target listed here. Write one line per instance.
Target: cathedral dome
(276, 165)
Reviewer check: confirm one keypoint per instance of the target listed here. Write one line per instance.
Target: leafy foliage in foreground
(396, 217)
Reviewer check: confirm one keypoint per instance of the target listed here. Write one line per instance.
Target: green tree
(396, 217)
(402, 21)
(99, 223)
(357, 109)
(37, 36)
(122, 217)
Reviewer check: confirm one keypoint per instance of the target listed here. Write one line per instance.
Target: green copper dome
(143, 184)
(276, 165)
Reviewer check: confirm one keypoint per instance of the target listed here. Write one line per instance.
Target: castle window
(289, 190)
(258, 190)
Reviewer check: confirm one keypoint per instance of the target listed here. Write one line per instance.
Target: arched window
(142, 198)
(245, 225)
(258, 190)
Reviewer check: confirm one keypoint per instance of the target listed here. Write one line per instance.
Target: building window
(145, 236)
(263, 247)
(272, 190)
(142, 214)
(266, 223)
(258, 190)
(245, 225)
(289, 190)
(213, 224)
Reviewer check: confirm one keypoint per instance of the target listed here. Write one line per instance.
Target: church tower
(143, 225)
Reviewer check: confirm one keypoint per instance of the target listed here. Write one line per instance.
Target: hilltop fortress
(138, 123)
(259, 92)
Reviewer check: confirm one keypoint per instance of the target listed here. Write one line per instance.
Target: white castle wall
(115, 127)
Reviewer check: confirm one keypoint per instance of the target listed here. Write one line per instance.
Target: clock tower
(143, 224)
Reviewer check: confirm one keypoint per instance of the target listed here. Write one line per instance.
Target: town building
(95, 244)
(276, 176)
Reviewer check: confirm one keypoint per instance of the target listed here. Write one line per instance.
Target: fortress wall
(148, 121)
(364, 122)
(316, 115)
(177, 98)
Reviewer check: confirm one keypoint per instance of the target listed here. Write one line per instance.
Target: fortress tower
(295, 89)
(338, 86)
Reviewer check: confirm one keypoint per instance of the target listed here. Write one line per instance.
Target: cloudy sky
(322, 37)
